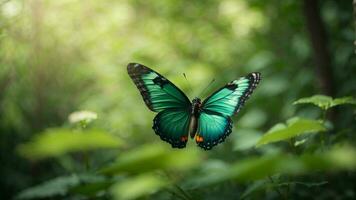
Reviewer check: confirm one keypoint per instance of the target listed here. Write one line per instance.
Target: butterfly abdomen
(193, 125)
(195, 111)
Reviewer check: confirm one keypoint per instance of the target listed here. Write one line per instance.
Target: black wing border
(254, 78)
(135, 70)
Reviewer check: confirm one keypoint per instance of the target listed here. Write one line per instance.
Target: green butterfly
(208, 121)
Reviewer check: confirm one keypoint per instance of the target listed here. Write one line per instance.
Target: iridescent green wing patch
(229, 99)
(212, 130)
(214, 123)
(157, 91)
(172, 126)
(160, 95)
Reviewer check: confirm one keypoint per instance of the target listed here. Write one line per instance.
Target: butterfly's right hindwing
(215, 123)
(212, 129)
(158, 92)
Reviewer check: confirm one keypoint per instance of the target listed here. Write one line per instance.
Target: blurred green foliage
(151, 157)
(56, 142)
(137, 187)
(294, 127)
(325, 102)
(73, 125)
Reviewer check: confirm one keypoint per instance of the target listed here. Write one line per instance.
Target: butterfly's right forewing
(229, 99)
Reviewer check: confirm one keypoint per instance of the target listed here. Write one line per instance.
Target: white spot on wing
(254, 75)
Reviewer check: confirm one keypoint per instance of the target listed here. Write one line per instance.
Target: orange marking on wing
(184, 138)
(199, 138)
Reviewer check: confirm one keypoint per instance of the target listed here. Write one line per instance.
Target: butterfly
(208, 121)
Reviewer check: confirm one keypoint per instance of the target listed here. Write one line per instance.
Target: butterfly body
(208, 121)
(195, 112)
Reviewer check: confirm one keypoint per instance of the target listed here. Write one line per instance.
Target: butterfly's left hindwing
(215, 123)
(157, 91)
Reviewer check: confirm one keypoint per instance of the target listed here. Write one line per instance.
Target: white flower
(82, 116)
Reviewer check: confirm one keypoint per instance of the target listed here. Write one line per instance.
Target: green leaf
(300, 142)
(90, 185)
(344, 100)
(91, 189)
(246, 170)
(59, 186)
(56, 142)
(306, 184)
(254, 187)
(325, 102)
(336, 159)
(293, 128)
(152, 157)
(262, 185)
(137, 187)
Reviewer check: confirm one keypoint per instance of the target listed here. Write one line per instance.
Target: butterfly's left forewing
(157, 91)
(214, 123)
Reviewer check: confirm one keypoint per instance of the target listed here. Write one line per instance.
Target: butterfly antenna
(211, 82)
(189, 86)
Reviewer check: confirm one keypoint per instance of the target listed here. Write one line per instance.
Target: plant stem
(174, 193)
(322, 137)
(85, 154)
(183, 192)
(291, 144)
(277, 189)
(86, 160)
(324, 116)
